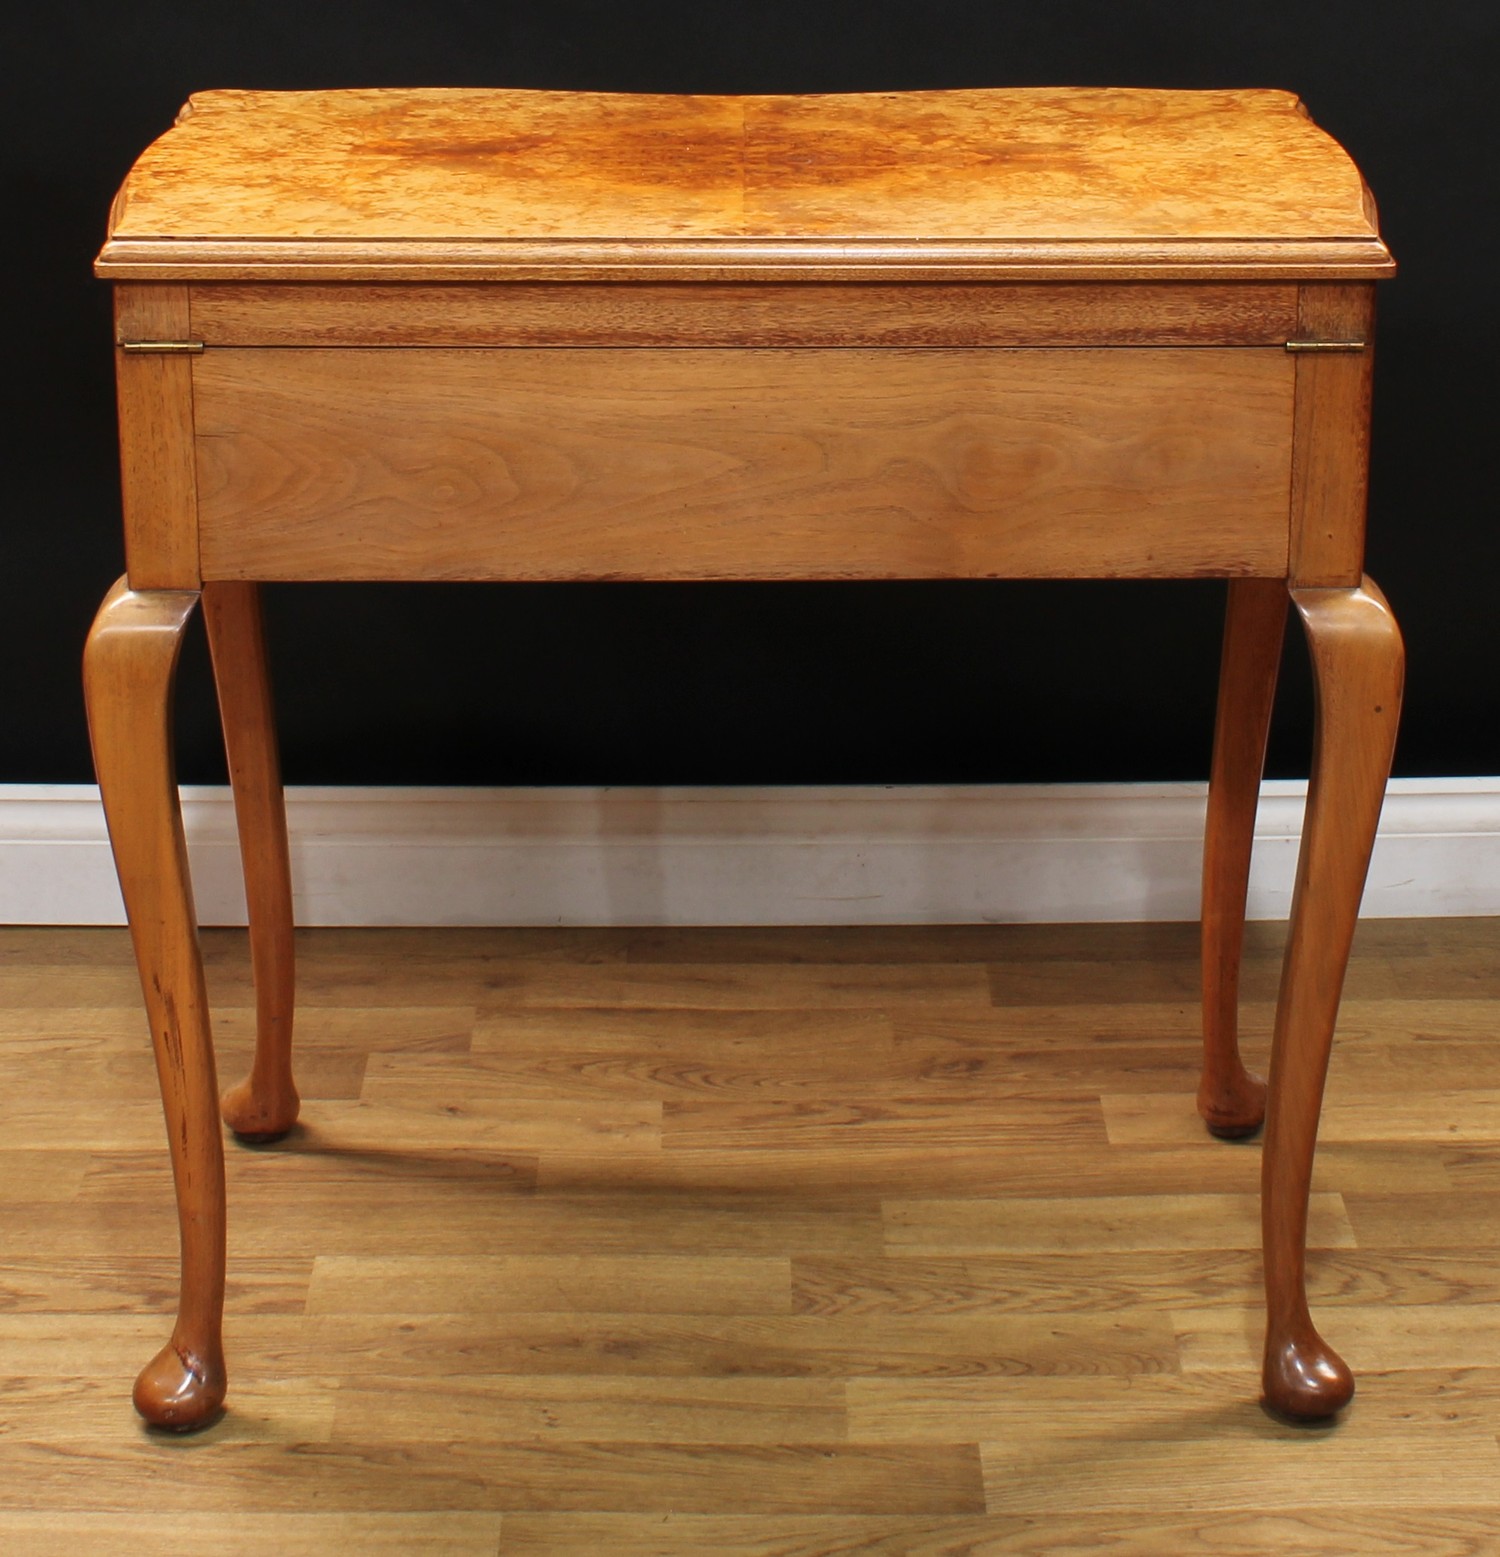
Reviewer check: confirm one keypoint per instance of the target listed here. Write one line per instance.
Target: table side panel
(743, 464)
(1331, 446)
(704, 314)
(158, 473)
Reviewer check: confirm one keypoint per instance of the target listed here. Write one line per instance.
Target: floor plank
(601, 1409)
(421, 1475)
(557, 1283)
(1097, 1222)
(253, 1534)
(1380, 1532)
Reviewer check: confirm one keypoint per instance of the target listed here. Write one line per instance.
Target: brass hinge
(1325, 345)
(162, 346)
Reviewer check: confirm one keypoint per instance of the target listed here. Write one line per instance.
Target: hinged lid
(1017, 183)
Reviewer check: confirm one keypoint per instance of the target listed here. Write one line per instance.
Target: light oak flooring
(783, 1242)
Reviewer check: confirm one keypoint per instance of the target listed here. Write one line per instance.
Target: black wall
(757, 683)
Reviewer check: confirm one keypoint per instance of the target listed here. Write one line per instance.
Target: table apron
(703, 313)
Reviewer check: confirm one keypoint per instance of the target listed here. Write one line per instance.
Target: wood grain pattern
(1382, 1336)
(591, 1352)
(158, 475)
(644, 1477)
(662, 1283)
(1392, 1532)
(1010, 1413)
(978, 1226)
(1159, 1120)
(1331, 451)
(828, 1173)
(256, 1534)
(604, 1410)
(1461, 1465)
(294, 184)
(624, 314)
(734, 465)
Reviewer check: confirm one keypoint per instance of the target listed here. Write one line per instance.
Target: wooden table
(533, 335)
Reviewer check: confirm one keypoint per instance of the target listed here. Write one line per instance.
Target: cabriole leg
(129, 672)
(264, 1105)
(1231, 1100)
(1357, 668)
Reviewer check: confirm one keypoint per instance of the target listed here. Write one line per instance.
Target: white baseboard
(896, 855)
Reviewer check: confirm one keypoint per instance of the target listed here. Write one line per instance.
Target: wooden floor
(783, 1242)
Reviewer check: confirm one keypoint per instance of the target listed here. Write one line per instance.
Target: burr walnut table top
(1008, 184)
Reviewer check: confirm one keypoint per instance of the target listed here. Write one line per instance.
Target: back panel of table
(588, 463)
